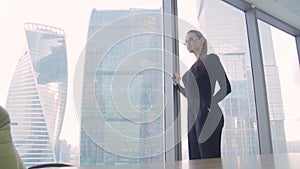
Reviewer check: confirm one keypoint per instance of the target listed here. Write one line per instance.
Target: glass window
(281, 68)
(87, 74)
(225, 30)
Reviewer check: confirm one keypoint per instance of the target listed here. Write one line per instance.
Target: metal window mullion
(170, 62)
(277, 23)
(298, 48)
(245, 6)
(260, 93)
(242, 5)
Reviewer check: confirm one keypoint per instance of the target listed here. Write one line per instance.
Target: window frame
(252, 15)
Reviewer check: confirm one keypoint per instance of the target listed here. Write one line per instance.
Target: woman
(205, 118)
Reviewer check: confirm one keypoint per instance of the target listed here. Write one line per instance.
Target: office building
(122, 112)
(37, 95)
(63, 152)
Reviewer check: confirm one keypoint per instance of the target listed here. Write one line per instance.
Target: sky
(73, 18)
(289, 73)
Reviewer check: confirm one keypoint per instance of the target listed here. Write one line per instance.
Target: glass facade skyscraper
(275, 102)
(122, 100)
(37, 95)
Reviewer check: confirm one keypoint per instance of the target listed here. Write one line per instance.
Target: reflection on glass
(224, 27)
(122, 101)
(281, 69)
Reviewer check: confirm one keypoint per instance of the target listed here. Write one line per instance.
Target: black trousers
(211, 148)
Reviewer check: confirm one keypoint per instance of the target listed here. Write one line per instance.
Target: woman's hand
(176, 78)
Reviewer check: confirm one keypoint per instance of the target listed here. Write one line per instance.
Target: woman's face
(193, 43)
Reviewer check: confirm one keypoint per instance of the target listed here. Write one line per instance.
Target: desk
(276, 161)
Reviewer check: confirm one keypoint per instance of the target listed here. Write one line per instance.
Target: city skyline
(12, 19)
(75, 40)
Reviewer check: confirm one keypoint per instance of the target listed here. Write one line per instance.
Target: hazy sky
(289, 73)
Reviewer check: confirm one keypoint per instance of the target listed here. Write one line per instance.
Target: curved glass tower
(37, 95)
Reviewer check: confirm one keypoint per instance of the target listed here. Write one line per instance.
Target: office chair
(9, 157)
(50, 165)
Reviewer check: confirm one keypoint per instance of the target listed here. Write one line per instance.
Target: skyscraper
(37, 95)
(275, 102)
(122, 100)
(62, 152)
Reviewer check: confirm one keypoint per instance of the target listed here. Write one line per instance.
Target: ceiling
(286, 10)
